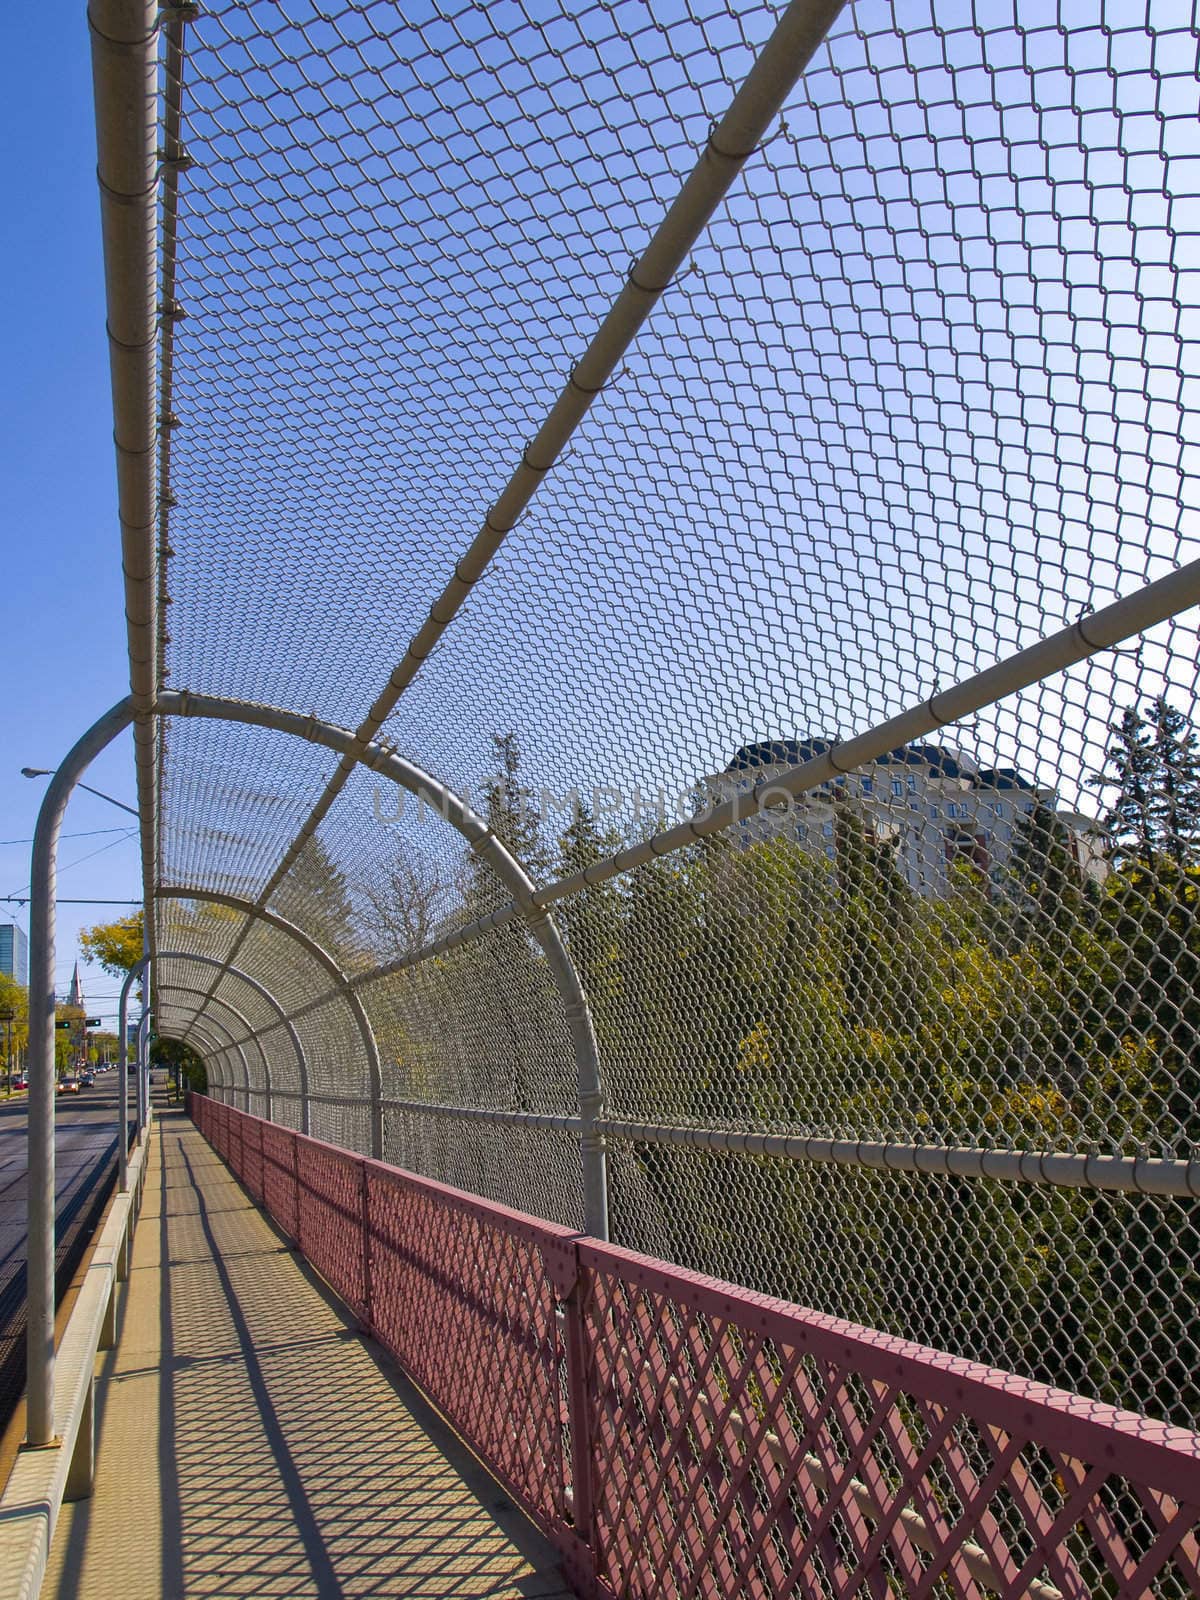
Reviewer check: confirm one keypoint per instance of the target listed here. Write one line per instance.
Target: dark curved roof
(773, 752)
(1005, 778)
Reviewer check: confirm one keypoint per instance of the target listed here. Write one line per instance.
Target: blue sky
(63, 619)
(723, 555)
(916, 401)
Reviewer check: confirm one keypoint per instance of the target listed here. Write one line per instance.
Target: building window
(934, 813)
(897, 787)
(868, 785)
(827, 829)
(998, 808)
(912, 784)
(801, 832)
(831, 852)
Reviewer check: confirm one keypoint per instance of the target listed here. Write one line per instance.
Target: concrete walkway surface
(252, 1443)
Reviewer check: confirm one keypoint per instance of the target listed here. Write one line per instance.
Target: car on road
(69, 1086)
(21, 1083)
(86, 1080)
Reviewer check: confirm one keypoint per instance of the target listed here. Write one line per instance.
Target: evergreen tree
(511, 814)
(1131, 766)
(315, 894)
(592, 923)
(1175, 804)
(1046, 881)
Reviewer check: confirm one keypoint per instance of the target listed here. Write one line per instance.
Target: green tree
(14, 998)
(1153, 763)
(116, 946)
(509, 807)
(1131, 767)
(181, 1059)
(1175, 805)
(317, 898)
(67, 1040)
(1045, 885)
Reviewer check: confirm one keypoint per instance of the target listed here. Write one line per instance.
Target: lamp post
(7, 1016)
(45, 772)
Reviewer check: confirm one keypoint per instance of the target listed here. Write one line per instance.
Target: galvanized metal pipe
(797, 36)
(124, 36)
(40, 1249)
(131, 977)
(1058, 1168)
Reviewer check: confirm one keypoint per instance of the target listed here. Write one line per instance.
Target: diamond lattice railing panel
(464, 1294)
(329, 1228)
(741, 1445)
(727, 1443)
(281, 1195)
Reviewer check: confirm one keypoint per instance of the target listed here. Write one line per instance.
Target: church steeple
(75, 992)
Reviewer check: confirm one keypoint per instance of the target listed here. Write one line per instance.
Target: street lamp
(8, 1016)
(45, 772)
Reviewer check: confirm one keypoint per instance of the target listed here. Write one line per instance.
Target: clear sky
(673, 590)
(63, 618)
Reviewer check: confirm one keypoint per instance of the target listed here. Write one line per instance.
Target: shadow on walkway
(251, 1443)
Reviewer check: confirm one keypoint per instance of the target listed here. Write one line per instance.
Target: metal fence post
(131, 978)
(143, 1068)
(365, 1205)
(296, 1188)
(40, 1257)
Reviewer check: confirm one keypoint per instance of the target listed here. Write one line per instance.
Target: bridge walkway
(250, 1442)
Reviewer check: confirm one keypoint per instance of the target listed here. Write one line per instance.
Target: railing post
(131, 978)
(296, 1189)
(562, 1262)
(365, 1207)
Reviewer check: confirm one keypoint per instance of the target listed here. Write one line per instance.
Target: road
(85, 1163)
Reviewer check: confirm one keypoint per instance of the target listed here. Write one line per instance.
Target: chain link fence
(913, 1039)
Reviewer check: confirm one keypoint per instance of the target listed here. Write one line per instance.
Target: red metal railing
(677, 1436)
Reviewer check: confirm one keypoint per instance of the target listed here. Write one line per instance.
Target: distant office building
(14, 952)
(933, 804)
